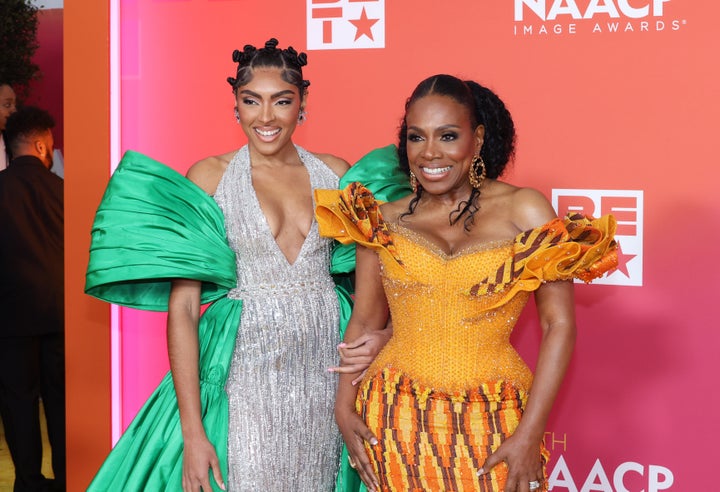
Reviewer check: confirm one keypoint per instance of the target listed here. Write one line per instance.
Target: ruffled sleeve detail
(154, 225)
(379, 171)
(352, 215)
(563, 249)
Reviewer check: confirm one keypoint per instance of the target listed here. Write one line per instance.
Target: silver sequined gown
(282, 434)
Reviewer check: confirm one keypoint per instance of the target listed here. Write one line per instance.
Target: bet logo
(345, 24)
(627, 207)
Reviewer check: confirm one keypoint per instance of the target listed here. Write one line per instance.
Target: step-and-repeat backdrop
(617, 107)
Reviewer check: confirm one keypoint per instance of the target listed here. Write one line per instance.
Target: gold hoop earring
(413, 182)
(476, 180)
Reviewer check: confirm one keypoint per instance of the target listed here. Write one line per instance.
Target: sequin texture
(282, 433)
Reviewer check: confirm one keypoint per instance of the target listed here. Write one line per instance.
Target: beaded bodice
(443, 337)
(453, 315)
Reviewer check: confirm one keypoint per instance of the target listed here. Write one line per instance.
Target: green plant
(18, 42)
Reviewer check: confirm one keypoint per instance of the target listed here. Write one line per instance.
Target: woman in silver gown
(271, 333)
(281, 430)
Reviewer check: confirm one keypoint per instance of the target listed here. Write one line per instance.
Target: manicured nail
(342, 345)
(373, 441)
(480, 471)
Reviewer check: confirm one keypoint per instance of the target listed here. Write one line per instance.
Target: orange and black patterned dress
(448, 388)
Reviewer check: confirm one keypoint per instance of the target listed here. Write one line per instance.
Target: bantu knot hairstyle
(288, 60)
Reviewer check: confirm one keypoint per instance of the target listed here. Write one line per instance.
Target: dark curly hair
(26, 123)
(289, 61)
(485, 108)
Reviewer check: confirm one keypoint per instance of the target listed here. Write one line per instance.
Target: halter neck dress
(279, 390)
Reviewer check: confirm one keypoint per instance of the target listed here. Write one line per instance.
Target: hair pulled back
(486, 109)
(288, 60)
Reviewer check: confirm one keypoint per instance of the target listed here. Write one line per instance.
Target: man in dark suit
(32, 355)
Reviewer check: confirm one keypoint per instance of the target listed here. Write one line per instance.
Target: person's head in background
(7, 103)
(29, 132)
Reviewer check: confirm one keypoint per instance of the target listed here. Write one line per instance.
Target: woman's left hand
(524, 464)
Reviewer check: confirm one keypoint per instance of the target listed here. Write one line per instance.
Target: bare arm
(369, 315)
(556, 312)
(182, 334)
(521, 451)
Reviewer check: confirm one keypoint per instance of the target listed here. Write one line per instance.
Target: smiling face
(268, 109)
(7, 104)
(441, 143)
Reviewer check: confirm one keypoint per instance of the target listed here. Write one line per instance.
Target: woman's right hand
(199, 456)
(355, 433)
(357, 355)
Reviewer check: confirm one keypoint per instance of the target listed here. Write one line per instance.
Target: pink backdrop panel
(616, 105)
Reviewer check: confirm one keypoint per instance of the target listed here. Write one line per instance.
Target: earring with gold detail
(476, 179)
(413, 182)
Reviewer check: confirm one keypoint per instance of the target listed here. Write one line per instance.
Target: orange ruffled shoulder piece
(574, 247)
(353, 215)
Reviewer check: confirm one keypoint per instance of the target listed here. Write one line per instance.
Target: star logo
(345, 24)
(363, 26)
(623, 260)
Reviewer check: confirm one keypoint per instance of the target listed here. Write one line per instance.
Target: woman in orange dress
(448, 404)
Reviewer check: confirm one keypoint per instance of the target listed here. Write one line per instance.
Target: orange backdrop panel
(87, 150)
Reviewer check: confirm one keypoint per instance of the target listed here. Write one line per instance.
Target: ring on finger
(534, 485)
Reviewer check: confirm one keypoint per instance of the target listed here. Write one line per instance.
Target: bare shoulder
(206, 173)
(338, 165)
(391, 211)
(530, 209)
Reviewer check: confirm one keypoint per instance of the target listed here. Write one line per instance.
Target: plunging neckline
(266, 224)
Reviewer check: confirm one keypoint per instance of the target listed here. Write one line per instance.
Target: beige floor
(7, 472)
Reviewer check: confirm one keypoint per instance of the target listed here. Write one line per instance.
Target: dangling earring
(475, 180)
(302, 116)
(413, 182)
(237, 115)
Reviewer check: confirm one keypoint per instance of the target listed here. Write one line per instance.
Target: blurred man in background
(32, 355)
